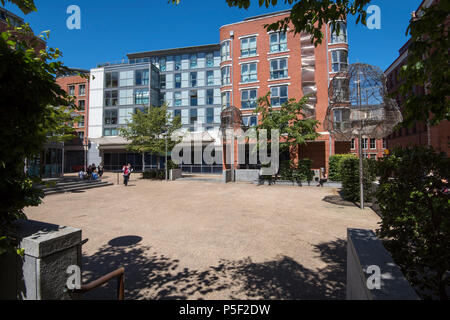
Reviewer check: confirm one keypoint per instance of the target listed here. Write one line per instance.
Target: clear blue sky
(111, 28)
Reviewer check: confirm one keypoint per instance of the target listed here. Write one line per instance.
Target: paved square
(206, 240)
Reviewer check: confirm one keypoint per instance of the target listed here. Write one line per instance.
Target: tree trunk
(143, 162)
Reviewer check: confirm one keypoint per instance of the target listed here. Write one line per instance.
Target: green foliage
(26, 6)
(415, 204)
(172, 165)
(300, 172)
(335, 166)
(154, 175)
(147, 131)
(33, 110)
(293, 126)
(349, 168)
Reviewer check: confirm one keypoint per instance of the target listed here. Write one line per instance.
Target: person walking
(323, 178)
(126, 174)
(100, 170)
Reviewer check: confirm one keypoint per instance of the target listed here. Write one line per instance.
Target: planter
(175, 174)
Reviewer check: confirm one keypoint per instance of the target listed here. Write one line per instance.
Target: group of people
(92, 172)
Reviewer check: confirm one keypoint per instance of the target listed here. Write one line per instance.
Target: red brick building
(255, 62)
(420, 134)
(78, 87)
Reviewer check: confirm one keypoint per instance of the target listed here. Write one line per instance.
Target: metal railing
(119, 274)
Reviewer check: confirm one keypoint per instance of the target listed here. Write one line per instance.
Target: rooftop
(174, 51)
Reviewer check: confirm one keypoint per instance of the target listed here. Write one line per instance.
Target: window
(177, 99)
(339, 59)
(353, 144)
(81, 122)
(80, 135)
(249, 72)
(210, 60)
(177, 113)
(248, 99)
(111, 132)
(226, 79)
(342, 36)
(278, 69)
(126, 97)
(226, 99)
(210, 96)
(384, 144)
(364, 143)
(193, 61)
(141, 96)
(193, 79)
(193, 97)
(125, 115)
(110, 117)
(278, 95)
(82, 89)
(126, 79)
(81, 105)
(278, 42)
(111, 98)
(162, 64)
(142, 77)
(373, 144)
(248, 47)
(177, 62)
(373, 156)
(210, 78)
(162, 81)
(251, 121)
(178, 80)
(225, 51)
(210, 115)
(193, 116)
(112, 80)
(71, 90)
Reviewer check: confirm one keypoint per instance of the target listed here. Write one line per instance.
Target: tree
(34, 109)
(149, 130)
(294, 127)
(428, 54)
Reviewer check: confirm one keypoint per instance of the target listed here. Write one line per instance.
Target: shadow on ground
(149, 275)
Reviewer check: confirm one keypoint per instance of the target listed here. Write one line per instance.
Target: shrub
(335, 166)
(304, 172)
(172, 165)
(350, 179)
(154, 175)
(415, 204)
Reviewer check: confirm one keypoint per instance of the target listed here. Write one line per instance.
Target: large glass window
(278, 42)
(82, 89)
(193, 61)
(111, 132)
(125, 115)
(210, 78)
(248, 47)
(111, 79)
(71, 90)
(126, 97)
(193, 97)
(177, 60)
(210, 115)
(177, 99)
(177, 113)
(126, 79)
(142, 77)
(249, 72)
(141, 96)
(110, 117)
(278, 95)
(352, 145)
(210, 60)
(341, 35)
(162, 81)
(226, 78)
(210, 96)
(162, 64)
(193, 116)
(111, 98)
(193, 79)
(81, 122)
(81, 105)
(364, 143)
(248, 99)
(226, 99)
(225, 52)
(373, 144)
(278, 68)
(339, 59)
(178, 80)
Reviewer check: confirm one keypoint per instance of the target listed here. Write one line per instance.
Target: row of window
(161, 62)
(193, 80)
(373, 143)
(249, 97)
(81, 90)
(127, 97)
(193, 98)
(277, 42)
(127, 78)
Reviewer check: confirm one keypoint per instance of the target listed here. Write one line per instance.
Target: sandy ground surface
(206, 240)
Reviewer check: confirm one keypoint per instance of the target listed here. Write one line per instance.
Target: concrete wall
(175, 174)
(41, 273)
(365, 250)
(247, 175)
(227, 176)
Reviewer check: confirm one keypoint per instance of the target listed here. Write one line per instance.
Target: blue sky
(111, 28)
